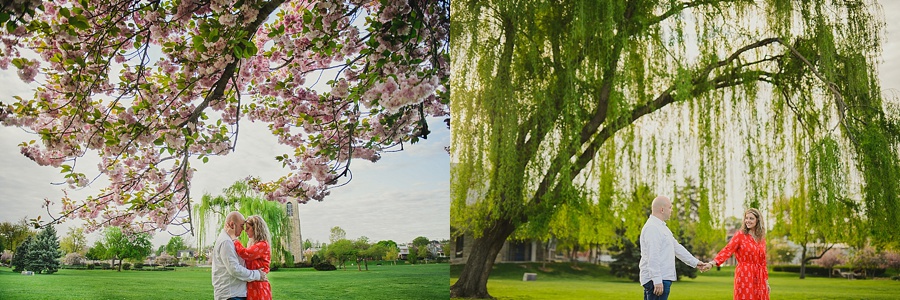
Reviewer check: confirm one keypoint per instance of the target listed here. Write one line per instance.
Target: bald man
(229, 276)
(658, 252)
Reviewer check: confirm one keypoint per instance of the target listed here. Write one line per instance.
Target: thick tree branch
(220, 85)
(602, 96)
(820, 255)
(838, 98)
(698, 82)
(678, 8)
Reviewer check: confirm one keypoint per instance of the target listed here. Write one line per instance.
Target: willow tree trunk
(803, 263)
(472, 281)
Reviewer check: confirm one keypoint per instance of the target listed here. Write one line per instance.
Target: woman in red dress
(256, 256)
(751, 278)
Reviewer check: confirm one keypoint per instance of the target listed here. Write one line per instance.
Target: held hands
(703, 267)
(262, 275)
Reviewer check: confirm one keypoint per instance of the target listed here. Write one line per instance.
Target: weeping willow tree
(555, 100)
(242, 198)
(821, 212)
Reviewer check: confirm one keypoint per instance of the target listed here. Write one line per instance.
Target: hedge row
(814, 270)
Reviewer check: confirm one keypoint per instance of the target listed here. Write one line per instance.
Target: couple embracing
(238, 272)
(659, 250)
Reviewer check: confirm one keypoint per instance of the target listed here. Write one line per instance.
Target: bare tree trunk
(804, 260)
(473, 279)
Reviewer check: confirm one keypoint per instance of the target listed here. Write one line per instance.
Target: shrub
(891, 260)
(90, 267)
(166, 259)
(830, 259)
(813, 270)
(157, 269)
(105, 266)
(74, 259)
(325, 266)
(274, 268)
(868, 260)
(126, 266)
(138, 266)
(6, 257)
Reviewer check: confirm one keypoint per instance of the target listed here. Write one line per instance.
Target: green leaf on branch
(19, 62)
(198, 43)
(250, 48)
(307, 17)
(79, 22)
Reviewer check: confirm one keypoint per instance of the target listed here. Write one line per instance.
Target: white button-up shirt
(658, 251)
(229, 276)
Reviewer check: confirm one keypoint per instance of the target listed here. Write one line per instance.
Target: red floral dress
(255, 257)
(751, 274)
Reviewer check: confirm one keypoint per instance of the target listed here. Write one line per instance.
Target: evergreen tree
(627, 259)
(43, 256)
(19, 260)
(682, 269)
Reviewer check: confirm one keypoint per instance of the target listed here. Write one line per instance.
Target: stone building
(295, 243)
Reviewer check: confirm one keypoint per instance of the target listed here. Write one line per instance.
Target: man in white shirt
(658, 252)
(229, 276)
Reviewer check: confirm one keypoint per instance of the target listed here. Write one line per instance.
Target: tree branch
(219, 86)
(838, 99)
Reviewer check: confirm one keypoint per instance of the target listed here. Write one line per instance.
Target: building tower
(296, 239)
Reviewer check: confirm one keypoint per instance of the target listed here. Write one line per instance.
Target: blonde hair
(759, 231)
(260, 229)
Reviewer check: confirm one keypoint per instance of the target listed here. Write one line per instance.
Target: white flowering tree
(73, 259)
(153, 87)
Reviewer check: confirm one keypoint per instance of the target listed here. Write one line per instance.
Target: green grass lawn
(380, 282)
(594, 282)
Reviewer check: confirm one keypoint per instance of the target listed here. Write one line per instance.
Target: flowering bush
(830, 259)
(166, 260)
(73, 259)
(891, 260)
(6, 256)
